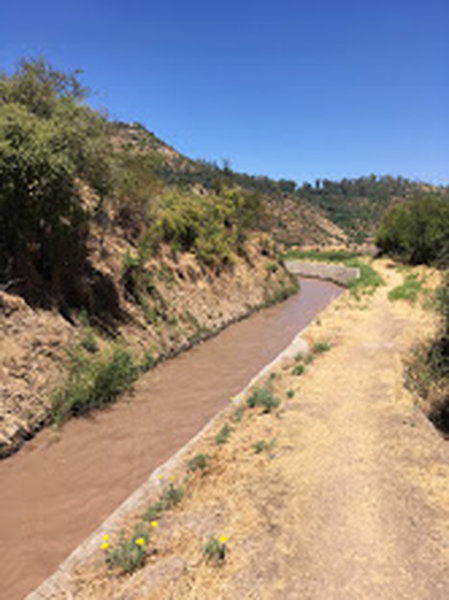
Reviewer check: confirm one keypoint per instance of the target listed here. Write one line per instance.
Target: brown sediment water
(62, 485)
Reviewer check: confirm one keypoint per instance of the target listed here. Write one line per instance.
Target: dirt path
(353, 503)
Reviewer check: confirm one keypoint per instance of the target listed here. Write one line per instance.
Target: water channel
(61, 486)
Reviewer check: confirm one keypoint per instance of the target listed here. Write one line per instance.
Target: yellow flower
(160, 477)
(154, 524)
(222, 539)
(140, 541)
(104, 546)
(172, 477)
(105, 537)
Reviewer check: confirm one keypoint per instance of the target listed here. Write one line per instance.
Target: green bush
(93, 381)
(418, 229)
(264, 398)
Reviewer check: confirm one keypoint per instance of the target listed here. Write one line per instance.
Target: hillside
(116, 251)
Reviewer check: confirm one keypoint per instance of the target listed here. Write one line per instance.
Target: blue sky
(289, 89)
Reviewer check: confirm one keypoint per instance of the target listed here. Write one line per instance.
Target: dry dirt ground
(352, 501)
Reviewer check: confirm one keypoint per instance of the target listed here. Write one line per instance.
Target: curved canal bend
(59, 488)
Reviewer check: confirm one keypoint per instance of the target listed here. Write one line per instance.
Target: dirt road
(352, 503)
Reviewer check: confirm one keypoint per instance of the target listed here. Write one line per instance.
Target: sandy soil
(351, 502)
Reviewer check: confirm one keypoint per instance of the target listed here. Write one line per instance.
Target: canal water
(61, 486)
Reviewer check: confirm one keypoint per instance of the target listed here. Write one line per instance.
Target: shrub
(264, 398)
(418, 229)
(93, 381)
(290, 393)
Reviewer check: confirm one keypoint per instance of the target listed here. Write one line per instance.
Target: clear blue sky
(294, 89)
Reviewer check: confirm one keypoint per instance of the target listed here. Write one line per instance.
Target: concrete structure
(336, 273)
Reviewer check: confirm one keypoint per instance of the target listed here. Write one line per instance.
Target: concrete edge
(60, 580)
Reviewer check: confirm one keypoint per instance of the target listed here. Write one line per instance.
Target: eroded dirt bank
(351, 501)
(59, 488)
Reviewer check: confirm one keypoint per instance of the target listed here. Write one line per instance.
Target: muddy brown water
(61, 486)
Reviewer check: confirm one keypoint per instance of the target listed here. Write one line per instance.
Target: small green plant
(264, 398)
(88, 342)
(320, 347)
(148, 361)
(298, 370)
(262, 445)
(154, 511)
(290, 393)
(309, 358)
(93, 381)
(216, 549)
(271, 267)
(172, 496)
(199, 462)
(237, 416)
(222, 436)
(130, 552)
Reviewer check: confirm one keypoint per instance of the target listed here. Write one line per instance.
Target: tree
(50, 143)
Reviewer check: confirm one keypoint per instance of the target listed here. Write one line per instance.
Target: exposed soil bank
(59, 488)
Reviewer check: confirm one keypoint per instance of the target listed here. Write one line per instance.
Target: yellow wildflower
(104, 546)
(154, 524)
(105, 537)
(222, 539)
(140, 541)
(172, 477)
(160, 477)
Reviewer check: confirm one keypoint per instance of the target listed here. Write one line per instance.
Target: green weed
(264, 398)
(222, 436)
(320, 347)
(93, 381)
(199, 462)
(216, 549)
(130, 553)
(298, 370)
(237, 416)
